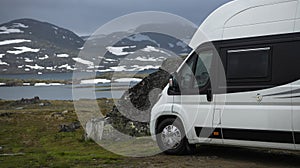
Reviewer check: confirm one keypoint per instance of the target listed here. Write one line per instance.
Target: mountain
(122, 51)
(31, 46)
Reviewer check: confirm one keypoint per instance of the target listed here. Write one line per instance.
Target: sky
(85, 16)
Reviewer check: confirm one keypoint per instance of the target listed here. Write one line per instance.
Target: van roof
(213, 26)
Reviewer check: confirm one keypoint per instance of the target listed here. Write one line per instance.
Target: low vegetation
(30, 136)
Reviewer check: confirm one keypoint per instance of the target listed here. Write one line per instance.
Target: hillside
(31, 46)
(28, 45)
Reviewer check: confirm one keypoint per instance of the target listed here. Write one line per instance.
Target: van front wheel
(171, 137)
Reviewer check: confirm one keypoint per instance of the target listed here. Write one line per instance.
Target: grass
(33, 136)
(115, 75)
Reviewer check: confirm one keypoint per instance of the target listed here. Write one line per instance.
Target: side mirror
(173, 85)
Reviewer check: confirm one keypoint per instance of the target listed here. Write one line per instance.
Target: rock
(131, 114)
(94, 129)
(70, 127)
(56, 114)
(65, 112)
(45, 104)
(34, 100)
(6, 114)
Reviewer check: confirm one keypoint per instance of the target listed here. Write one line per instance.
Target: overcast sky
(86, 16)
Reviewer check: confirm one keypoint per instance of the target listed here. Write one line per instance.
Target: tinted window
(186, 74)
(248, 63)
(202, 68)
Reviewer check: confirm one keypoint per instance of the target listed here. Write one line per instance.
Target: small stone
(65, 112)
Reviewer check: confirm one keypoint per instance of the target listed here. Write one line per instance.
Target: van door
(296, 112)
(195, 103)
(256, 112)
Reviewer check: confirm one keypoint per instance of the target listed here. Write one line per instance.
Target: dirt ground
(220, 157)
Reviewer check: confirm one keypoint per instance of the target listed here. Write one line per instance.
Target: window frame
(197, 90)
(267, 78)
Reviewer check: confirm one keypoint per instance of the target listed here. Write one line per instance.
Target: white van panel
(259, 29)
(243, 110)
(212, 28)
(264, 14)
(258, 144)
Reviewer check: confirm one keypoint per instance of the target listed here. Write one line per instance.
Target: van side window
(248, 63)
(202, 68)
(186, 73)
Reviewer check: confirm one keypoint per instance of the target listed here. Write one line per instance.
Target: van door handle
(259, 97)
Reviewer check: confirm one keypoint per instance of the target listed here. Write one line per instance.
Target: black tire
(180, 148)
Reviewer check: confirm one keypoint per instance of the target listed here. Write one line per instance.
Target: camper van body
(257, 43)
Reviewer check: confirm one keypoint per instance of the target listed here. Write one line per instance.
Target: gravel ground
(220, 157)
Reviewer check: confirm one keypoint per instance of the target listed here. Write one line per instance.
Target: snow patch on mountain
(28, 60)
(153, 49)
(3, 63)
(141, 37)
(66, 66)
(50, 68)
(110, 60)
(36, 67)
(19, 25)
(119, 51)
(62, 55)
(130, 68)
(43, 58)
(141, 67)
(82, 61)
(20, 50)
(150, 59)
(5, 30)
(13, 41)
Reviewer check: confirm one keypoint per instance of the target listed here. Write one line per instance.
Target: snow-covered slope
(31, 46)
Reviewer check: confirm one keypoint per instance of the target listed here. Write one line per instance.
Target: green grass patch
(32, 135)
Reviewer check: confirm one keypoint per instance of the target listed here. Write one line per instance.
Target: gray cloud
(85, 16)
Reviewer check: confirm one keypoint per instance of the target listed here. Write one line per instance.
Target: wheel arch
(166, 116)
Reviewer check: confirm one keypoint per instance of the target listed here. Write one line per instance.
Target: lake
(63, 92)
(48, 76)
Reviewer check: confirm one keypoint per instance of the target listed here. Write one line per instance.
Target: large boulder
(131, 114)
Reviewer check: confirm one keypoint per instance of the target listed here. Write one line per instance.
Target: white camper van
(252, 95)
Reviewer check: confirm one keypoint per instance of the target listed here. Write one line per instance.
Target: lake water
(64, 92)
(49, 76)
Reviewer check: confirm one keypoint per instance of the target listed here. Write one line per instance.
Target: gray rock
(70, 127)
(94, 129)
